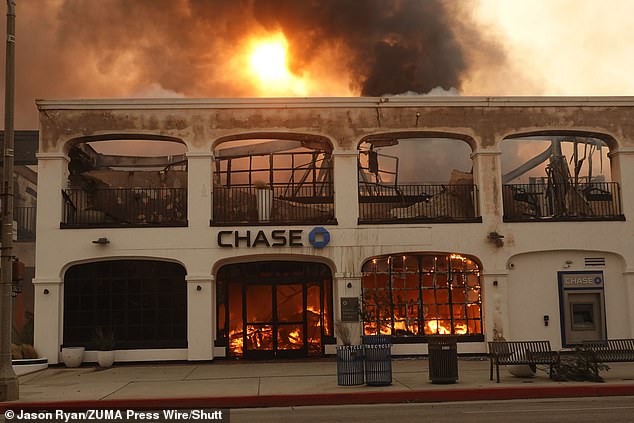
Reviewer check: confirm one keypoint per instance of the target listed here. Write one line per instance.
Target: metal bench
(530, 353)
(609, 350)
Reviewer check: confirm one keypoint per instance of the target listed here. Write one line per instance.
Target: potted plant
(73, 356)
(350, 369)
(104, 341)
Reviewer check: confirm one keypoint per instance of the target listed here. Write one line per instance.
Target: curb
(420, 396)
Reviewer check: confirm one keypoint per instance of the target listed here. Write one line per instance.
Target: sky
(201, 48)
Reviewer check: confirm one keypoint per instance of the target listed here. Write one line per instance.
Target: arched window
(413, 295)
(143, 302)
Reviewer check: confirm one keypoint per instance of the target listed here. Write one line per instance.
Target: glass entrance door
(274, 309)
(274, 321)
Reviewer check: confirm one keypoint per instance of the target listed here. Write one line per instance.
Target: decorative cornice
(330, 102)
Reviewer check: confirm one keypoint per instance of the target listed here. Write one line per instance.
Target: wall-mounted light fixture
(496, 239)
(567, 264)
(101, 241)
(45, 291)
(199, 288)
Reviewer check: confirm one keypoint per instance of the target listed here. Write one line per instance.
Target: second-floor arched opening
(126, 180)
(559, 175)
(416, 177)
(273, 178)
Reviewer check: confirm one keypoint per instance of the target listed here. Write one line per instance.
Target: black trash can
(443, 358)
(377, 351)
(350, 370)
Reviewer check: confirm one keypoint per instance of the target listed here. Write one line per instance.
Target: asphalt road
(571, 410)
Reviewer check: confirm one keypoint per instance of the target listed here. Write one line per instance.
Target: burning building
(247, 228)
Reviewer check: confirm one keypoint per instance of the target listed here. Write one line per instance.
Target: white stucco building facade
(543, 274)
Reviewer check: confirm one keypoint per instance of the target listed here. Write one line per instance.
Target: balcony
(124, 207)
(449, 203)
(279, 204)
(562, 202)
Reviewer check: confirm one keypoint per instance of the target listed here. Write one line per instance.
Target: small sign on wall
(581, 279)
(349, 309)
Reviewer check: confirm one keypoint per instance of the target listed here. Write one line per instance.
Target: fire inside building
(253, 228)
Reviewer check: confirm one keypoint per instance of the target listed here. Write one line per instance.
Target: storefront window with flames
(276, 309)
(422, 294)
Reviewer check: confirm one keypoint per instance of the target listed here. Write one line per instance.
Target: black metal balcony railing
(114, 207)
(552, 202)
(418, 203)
(247, 205)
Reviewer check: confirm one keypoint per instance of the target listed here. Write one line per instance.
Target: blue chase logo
(319, 237)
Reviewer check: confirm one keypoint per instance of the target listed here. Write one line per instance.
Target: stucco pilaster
(200, 317)
(495, 302)
(348, 285)
(487, 177)
(48, 297)
(629, 313)
(199, 189)
(346, 188)
(622, 164)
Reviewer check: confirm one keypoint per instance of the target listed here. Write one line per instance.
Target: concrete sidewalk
(225, 383)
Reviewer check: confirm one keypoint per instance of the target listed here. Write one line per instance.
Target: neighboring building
(262, 222)
(24, 208)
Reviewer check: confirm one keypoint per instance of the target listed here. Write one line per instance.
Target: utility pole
(9, 389)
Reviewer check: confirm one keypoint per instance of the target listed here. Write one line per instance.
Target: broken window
(273, 180)
(558, 176)
(126, 182)
(405, 177)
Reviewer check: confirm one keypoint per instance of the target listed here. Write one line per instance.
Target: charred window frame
(294, 170)
(411, 296)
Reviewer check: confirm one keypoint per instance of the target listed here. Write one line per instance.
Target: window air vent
(595, 261)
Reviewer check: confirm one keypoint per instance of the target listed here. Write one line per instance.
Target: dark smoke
(392, 46)
(128, 48)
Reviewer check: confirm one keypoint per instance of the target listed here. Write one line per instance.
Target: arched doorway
(274, 309)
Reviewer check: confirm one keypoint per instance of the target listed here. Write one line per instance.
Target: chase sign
(318, 237)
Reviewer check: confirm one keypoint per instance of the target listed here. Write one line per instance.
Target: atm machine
(582, 307)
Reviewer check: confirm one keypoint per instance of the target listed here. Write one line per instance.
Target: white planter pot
(265, 204)
(29, 365)
(73, 356)
(105, 359)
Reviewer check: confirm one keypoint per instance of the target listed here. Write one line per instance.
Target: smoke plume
(123, 48)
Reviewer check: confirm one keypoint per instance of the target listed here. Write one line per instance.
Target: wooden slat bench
(521, 352)
(610, 350)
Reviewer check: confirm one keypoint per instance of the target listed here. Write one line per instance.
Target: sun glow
(268, 63)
